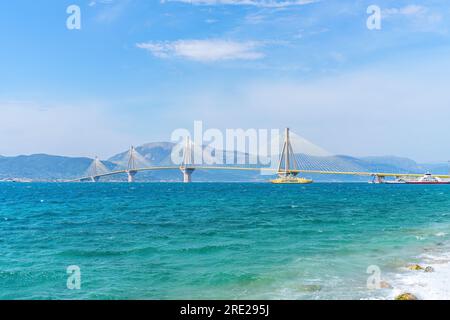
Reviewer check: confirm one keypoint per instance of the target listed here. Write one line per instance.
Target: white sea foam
(426, 285)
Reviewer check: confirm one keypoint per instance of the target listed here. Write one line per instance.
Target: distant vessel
(428, 178)
(292, 179)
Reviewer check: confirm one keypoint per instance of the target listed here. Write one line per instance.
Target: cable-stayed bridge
(290, 165)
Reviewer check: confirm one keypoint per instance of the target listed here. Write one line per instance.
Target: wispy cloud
(409, 10)
(256, 3)
(422, 18)
(332, 110)
(204, 50)
(111, 10)
(95, 2)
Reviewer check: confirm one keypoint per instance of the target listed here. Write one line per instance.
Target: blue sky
(137, 70)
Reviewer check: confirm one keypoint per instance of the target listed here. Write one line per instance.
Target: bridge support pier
(131, 176)
(95, 179)
(378, 179)
(187, 174)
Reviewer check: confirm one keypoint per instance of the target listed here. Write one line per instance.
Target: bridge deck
(268, 170)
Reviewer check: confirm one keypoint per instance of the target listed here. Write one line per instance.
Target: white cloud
(204, 50)
(256, 3)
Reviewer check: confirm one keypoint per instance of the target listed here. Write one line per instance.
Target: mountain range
(43, 167)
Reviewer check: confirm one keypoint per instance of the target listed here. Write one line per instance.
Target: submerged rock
(429, 269)
(415, 267)
(406, 296)
(385, 285)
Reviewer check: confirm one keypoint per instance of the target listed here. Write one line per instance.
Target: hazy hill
(397, 164)
(42, 167)
(156, 153)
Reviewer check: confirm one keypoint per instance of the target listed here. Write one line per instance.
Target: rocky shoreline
(428, 280)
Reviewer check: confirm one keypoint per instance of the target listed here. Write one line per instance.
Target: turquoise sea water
(213, 241)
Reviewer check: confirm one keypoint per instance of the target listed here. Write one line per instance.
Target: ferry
(427, 179)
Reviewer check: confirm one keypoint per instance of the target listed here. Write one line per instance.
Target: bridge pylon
(288, 168)
(288, 165)
(187, 167)
(378, 179)
(131, 167)
(96, 169)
